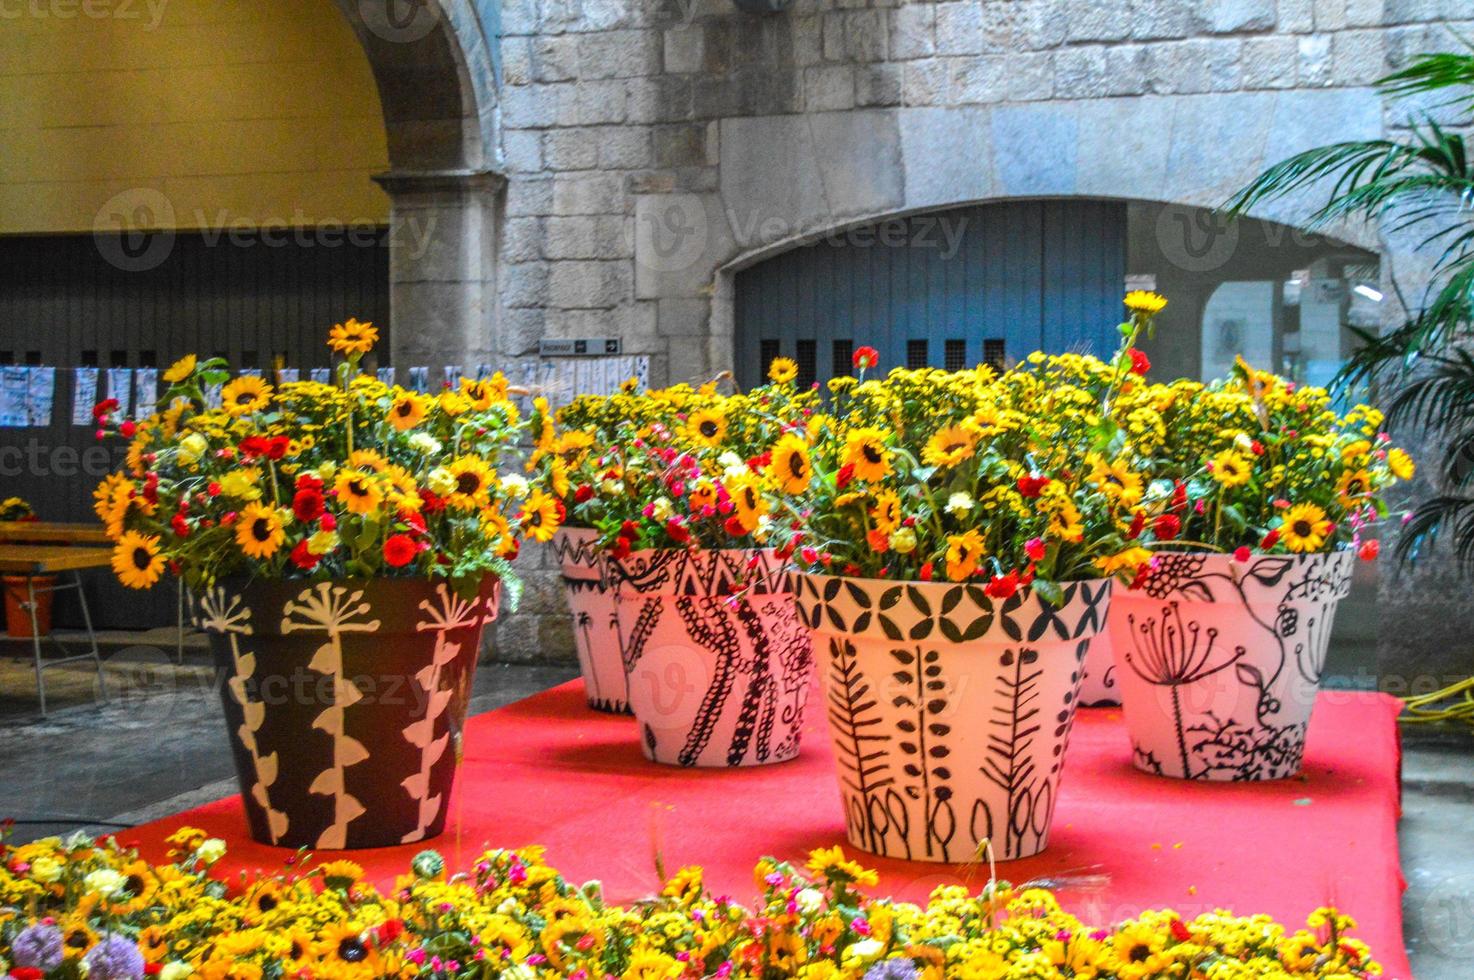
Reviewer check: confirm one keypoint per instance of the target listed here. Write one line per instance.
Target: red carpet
(548, 771)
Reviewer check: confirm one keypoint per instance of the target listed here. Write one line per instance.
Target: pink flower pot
(595, 623)
(1098, 686)
(1219, 661)
(950, 711)
(714, 680)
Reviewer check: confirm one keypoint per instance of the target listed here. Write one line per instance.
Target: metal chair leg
(179, 627)
(36, 642)
(91, 636)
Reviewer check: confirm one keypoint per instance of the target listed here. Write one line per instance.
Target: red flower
(1179, 497)
(620, 548)
(1034, 548)
(433, 503)
(866, 357)
(180, 525)
(152, 969)
(735, 527)
(303, 558)
(389, 931)
(879, 541)
(583, 494)
(104, 408)
(629, 529)
(26, 973)
(415, 522)
(399, 550)
(1138, 524)
(925, 573)
(1242, 554)
(1180, 931)
(308, 505)
(213, 489)
(844, 476)
(1167, 526)
(1002, 586)
(309, 481)
(1271, 538)
(254, 446)
(128, 429)
(1140, 363)
(328, 522)
(1032, 485)
(678, 531)
(1370, 550)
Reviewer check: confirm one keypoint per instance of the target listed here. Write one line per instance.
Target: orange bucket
(17, 620)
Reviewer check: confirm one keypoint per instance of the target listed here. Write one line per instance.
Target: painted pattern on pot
(1219, 661)
(950, 711)
(713, 681)
(1098, 687)
(346, 702)
(591, 599)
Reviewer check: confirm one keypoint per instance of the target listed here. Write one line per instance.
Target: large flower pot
(714, 680)
(345, 703)
(595, 623)
(1098, 687)
(949, 710)
(1219, 661)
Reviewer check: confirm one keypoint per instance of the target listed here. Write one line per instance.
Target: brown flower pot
(345, 703)
(17, 619)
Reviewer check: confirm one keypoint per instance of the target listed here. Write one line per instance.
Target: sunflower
(1129, 560)
(245, 395)
(408, 410)
(1305, 528)
(706, 427)
(360, 492)
(136, 560)
(540, 516)
(1401, 464)
(791, 469)
(343, 945)
(367, 459)
(181, 369)
(496, 529)
(950, 446)
(481, 394)
(1231, 469)
(748, 502)
(964, 553)
(1115, 480)
(831, 864)
(864, 449)
(886, 514)
(353, 337)
(782, 370)
(1138, 948)
(473, 480)
(1353, 488)
(1144, 301)
(259, 531)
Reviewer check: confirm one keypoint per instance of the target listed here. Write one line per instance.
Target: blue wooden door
(952, 289)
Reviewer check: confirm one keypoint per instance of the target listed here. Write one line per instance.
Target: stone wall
(653, 148)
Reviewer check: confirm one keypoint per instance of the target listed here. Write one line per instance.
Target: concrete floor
(157, 747)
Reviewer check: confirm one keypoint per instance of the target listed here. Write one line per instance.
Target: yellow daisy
(748, 501)
(1116, 480)
(353, 337)
(791, 469)
(782, 370)
(706, 427)
(865, 450)
(886, 514)
(181, 369)
(360, 492)
(473, 480)
(1305, 528)
(259, 531)
(964, 553)
(1401, 464)
(136, 560)
(1231, 469)
(408, 410)
(1353, 487)
(540, 516)
(1144, 301)
(950, 446)
(245, 395)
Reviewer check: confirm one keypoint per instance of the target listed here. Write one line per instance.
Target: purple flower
(892, 970)
(114, 958)
(38, 947)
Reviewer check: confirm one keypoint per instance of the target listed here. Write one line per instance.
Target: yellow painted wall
(241, 113)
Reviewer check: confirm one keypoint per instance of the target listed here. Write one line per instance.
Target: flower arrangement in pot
(347, 544)
(1258, 500)
(679, 489)
(958, 542)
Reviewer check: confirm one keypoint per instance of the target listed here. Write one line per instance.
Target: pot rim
(769, 581)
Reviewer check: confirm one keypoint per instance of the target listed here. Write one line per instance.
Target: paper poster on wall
(120, 387)
(452, 376)
(214, 395)
(145, 391)
(286, 375)
(15, 386)
(386, 375)
(41, 395)
(84, 394)
(419, 378)
(323, 376)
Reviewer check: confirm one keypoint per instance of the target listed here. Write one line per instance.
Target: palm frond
(1442, 389)
(1429, 73)
(1434, 518)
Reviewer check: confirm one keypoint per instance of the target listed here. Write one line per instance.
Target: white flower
(192, 447)
(903, 540)
(809, 900)
(441, 481)
(211, 850)
(611, 488)
(327, 471)
(1243, 442)
(960, 504)
(508, 906)
(730, 459)
(662, 509)
(46, 869)
(425, 443)
(175, 970)
(862, 951)
(515, 485)
(105, 882)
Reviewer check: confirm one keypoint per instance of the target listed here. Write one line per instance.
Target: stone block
(1029, 77)
(878, 85)
(520, 330)
(519, 17)
(523, 284)
(1034, 149)
(681, 145)
(1422, 11)
(602, 102)
(1296, 16)
(1098, 20)
(1371, 13)
(829, 87)
(959, 27)
(913, 31)
(685, 48)
(619, 54)
(1122, 147)
(806, 36)
(586, 237)
(664, 98)
(679, 239)
(1161, 20)
(516, 60)
(976, 79)
(948, 155)
(683, 317)
(590, 285)
(924, 83)
(1217, 144)
(1315, 60)
(1330, 15)
(1236, 16)
(528, 196)
(571, 149)
(593, 193)
(624, 147)
(1357, 57)
(522, 150)
(1080, 73)
(1196, 65)
(865, 35)
(688, 362)
(555, 59)
(522, 240)
(1270, 62)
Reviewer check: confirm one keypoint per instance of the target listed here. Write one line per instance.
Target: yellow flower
(353, 337)
(950, 446)
(791, 469)
(964, 552)
(749, 503)
(245, 395)
(1143, 301)
(136, 560)
(1305, 528)
(782, 370)
(1115, 480)
(454, 403)
(408, 410)
(482, 394)
(241, 484)
(540, 516)
(651, 965)
(473, 480)
(1231, 469)
(259, 531)
(1130, 560)
(359, 491)
(886, 514)
(865, 451)
(706, 427)
(181, 369)
(1401, 464)
(1353, 488)
(830, 863)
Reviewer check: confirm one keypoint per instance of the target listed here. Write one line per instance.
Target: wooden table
(46, 532)
(49, 559)
(43, 562)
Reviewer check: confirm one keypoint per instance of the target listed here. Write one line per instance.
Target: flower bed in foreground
(82, 908)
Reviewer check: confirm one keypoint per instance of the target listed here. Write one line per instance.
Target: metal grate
(954, 355)
(844, 358)
(808, 362)
(915, 354)
(994, 353)
(767, 351)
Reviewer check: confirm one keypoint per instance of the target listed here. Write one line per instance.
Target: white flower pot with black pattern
(595, 621)
(1098, 686)
(715, 680)
(950, 710)
(1219, 661)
